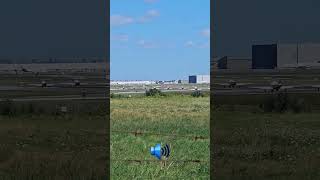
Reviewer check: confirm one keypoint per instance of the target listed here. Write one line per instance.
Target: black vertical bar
(107, 55)
(212, 31)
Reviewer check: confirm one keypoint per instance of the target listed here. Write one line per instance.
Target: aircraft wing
(311, 86)
(35, 85)
(288, 87)
(40, 85)
(243, 84)
(262, 87)
(221, 84)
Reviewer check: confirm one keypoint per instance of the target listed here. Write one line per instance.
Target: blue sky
(159, 39)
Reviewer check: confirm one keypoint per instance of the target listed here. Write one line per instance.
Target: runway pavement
(249, 91)
(56, 98)
(142, 91)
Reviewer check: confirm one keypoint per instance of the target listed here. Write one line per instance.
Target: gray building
(285, 55)
(235, 63)
(300, 54)
(199, 79)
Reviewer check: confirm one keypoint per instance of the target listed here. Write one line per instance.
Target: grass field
(252, 143)
(175, 114)
(45, 146)
(266, 146)
(39, 141)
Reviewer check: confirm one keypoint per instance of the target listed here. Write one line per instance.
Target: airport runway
(56, 98)
(164, 91)
(12, 88)
(248, 91)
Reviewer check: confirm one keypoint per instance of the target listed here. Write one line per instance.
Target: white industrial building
(132, 82)
(199, 79)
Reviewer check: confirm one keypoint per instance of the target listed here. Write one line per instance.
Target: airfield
(164, 88)
(53, 125)
(265, 124)
(254, 144)
(231, 83)
(26, 86)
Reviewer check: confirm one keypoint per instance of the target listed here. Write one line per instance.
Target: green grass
(266, 146)
(184, 115)
(38, 141)
(53, 147)
(249, 144)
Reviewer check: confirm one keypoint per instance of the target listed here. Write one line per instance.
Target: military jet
(25, 70)
(195, 88)
(75, 83)
(232, 84)
(44, 83)
(275, 86)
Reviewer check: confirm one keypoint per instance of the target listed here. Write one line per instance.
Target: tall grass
(176, 114)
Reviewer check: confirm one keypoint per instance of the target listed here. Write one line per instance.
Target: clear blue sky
(159, 39)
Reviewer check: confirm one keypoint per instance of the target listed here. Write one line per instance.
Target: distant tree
(154, 92)
(197, 94)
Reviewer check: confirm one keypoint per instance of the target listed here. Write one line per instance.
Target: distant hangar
(285, 55)
(275, 56)
(199, 79)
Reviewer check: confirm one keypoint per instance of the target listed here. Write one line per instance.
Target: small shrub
(277, 103)
(154, 92)
(298, 105)
(197, 94)
(282, 103)
(267, 105)
(114, 96)
(7, 108)
(31, 108)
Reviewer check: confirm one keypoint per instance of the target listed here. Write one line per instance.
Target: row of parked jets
(75, 83)
(273, 86)
(45, 84)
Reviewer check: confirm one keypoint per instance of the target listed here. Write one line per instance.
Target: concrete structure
(199, 79)
(235, 63)
(286, 55)
(300, 54)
